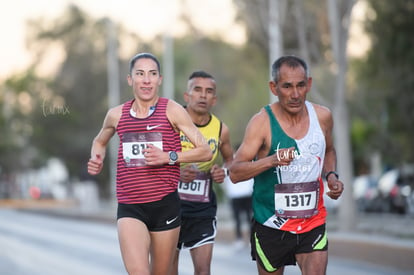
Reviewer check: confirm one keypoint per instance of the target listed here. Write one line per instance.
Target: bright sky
(146, 17)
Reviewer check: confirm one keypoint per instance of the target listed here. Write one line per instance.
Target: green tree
(58, 115)
(16, 126)
(241, 75)
(385, 80)
(68, 117)
(67, 108)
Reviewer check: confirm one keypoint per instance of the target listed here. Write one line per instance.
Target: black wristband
(331, 172)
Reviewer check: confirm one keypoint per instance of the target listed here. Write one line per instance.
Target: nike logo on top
(151, 127)
(171, 221)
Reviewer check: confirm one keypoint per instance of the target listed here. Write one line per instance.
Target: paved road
(35, 244)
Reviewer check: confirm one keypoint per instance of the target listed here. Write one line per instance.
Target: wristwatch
(331, 172)
(173, 157)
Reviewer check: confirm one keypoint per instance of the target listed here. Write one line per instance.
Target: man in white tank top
(287, 148)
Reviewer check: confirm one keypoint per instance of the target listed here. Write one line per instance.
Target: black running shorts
(274, 248)
(159, 215)
(196, 232)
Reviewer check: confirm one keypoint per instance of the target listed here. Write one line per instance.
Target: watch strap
(331, 172)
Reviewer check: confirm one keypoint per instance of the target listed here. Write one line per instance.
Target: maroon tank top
(135, 181)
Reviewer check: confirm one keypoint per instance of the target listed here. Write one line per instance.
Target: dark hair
(143, 55)
(201, 74)
(291, 61)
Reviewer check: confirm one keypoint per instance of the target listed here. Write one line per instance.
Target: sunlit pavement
(372, 242)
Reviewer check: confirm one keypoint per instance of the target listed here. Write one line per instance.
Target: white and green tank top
(303, 171)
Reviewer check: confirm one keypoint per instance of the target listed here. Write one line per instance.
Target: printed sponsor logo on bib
(197, 190)
(296, 200)
(133, 145)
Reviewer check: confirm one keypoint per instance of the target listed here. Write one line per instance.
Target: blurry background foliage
(59, 115)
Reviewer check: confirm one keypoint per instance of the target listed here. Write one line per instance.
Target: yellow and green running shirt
(211, 132)
(290, 198)
(197, 197)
